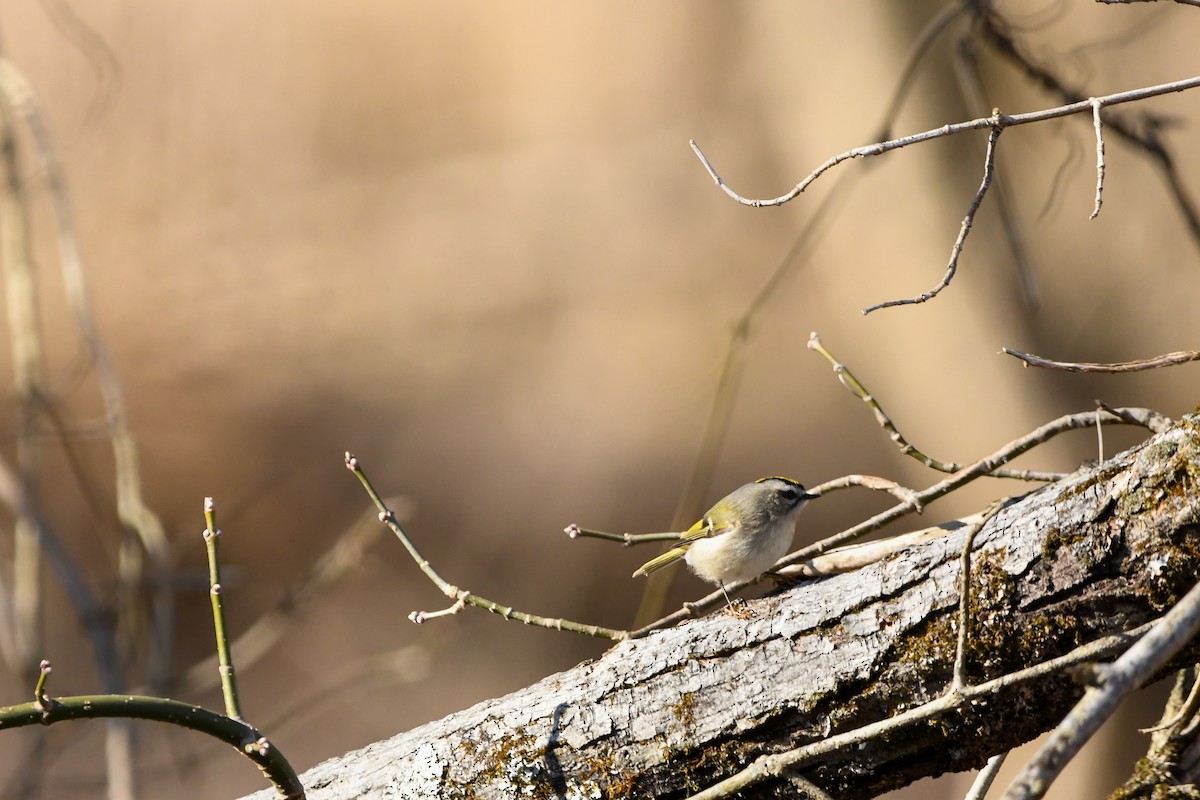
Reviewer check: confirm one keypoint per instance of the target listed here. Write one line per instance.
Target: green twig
(462, 597)
(212, 539)
(244, 738)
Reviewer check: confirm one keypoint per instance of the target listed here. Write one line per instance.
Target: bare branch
(1126, 2)
(1096, 106)
(1004, 121)
(1142, 131)
(970, 81)
(989, 166)
(1167, 360)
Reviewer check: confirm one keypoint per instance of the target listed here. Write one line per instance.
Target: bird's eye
(790, 494)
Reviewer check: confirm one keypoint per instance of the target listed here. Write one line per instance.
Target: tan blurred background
(469, 243)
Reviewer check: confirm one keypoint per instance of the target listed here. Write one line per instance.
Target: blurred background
(470, 243)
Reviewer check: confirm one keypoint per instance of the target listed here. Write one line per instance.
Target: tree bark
(1095, 554)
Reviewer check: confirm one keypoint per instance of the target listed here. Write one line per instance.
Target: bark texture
(1095, 554)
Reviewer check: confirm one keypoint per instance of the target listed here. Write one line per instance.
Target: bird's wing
(703, 529)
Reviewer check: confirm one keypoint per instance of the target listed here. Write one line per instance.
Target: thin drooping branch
(967, 70)
(1097, 125)
(989, 166)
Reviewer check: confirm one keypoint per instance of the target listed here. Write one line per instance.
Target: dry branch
(1063, 574)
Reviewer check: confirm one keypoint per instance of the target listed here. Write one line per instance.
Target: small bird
(741, 536)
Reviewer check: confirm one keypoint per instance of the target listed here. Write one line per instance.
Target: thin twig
(462, 597)
(970, 82)
(1123, 2)
(1187, 709)
(983, 781)
(766, 767)
(875, 484)
(989, 166)
(1175, 629)
(1096, 106)
(1167, 360)
(627, 539)
(212, 541)
(872, 482)
(1005, 121)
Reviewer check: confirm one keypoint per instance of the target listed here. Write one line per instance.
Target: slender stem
(847, 379)
(212, 539)
(1167, 360)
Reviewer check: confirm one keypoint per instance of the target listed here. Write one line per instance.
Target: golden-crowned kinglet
(742, 536)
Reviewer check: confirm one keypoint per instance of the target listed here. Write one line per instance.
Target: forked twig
(462, 598)
(1005, 120)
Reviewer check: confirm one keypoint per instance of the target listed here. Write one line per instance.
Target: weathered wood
(1097, 553)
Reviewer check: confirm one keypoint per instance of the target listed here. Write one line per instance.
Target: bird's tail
(655, 564)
